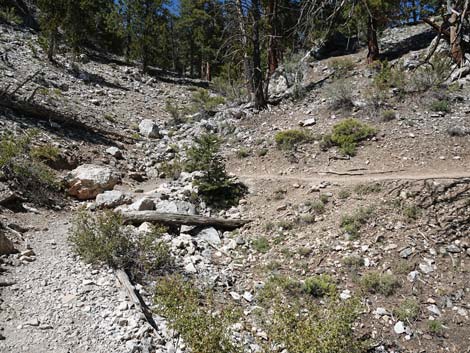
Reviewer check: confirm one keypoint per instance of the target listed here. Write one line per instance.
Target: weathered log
(123, 278)
(182, 219)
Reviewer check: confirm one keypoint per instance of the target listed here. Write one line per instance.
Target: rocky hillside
(356, 214)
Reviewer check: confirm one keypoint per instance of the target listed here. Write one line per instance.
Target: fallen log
(138, 217)
(136, 299)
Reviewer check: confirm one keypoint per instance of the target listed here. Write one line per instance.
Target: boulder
(209, 235)
(143, 204)
(89, 180)
(6, 245)
(111, 199)
(149, 128)
(182, 207)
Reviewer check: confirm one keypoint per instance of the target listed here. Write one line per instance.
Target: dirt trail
(359, 176)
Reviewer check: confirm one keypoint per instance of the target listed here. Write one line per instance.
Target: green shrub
(203, 326)
(301, 326)
(341, 67)
(177, 116)
(261, 244)
(378, 283)
(408, 310)
(23, 166)
(215, 186)
(9, 15)
(243, 153)
(389, 77)
(347, 134)
(340, 94)
(353, 262)
(433, 74)
(344, 194)
(319, 286)
(388, 115)
(318, 206)
(289, 139)
(352, 223)
(172, 169)
(440, 106)
(231, 89)
(411, 212)
(203, 101)
(45, 153)
(103, 239)
(366, 189)
(435, 327)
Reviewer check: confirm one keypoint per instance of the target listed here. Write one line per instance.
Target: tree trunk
(372, 41)
(273, 59)
(244, 43)
(260, 101)
(456, 51)
(52, 45)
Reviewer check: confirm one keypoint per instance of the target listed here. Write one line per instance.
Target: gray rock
(457, 130)
(210, 235)
(143, 204)
(115, 152)
(452, 248)
(399, 328)
(111, 199)
(426, 267)
(183, 207)
(6, 245)
(412, 276)
(405, 253)
(89, 180)
(149, 128)
(308, 122)
(434, 309)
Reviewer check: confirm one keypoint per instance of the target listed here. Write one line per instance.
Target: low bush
(261, 244)
(341, 67)
(103, 239)
(433, 74)
(243, 153)
(204, 102)
(176, 113)
(440, 106)
(389, 77)
(289, 139)
(353, 262)
(366, 189)
(203, 325)
(378, 283)
(352, 223)
(346, 135)
(388, 115)
(435, 327)
(23, 166)
(408, 310)
(9, 15)
(319, 286)
(340, 94)
(295, 322)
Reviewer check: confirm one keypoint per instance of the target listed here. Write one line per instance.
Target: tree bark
(273, 58)
(138, 217)
(372, 41)
(456, 51)
(260, 100)
(244, 43)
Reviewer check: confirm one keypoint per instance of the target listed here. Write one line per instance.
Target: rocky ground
(413, 176)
